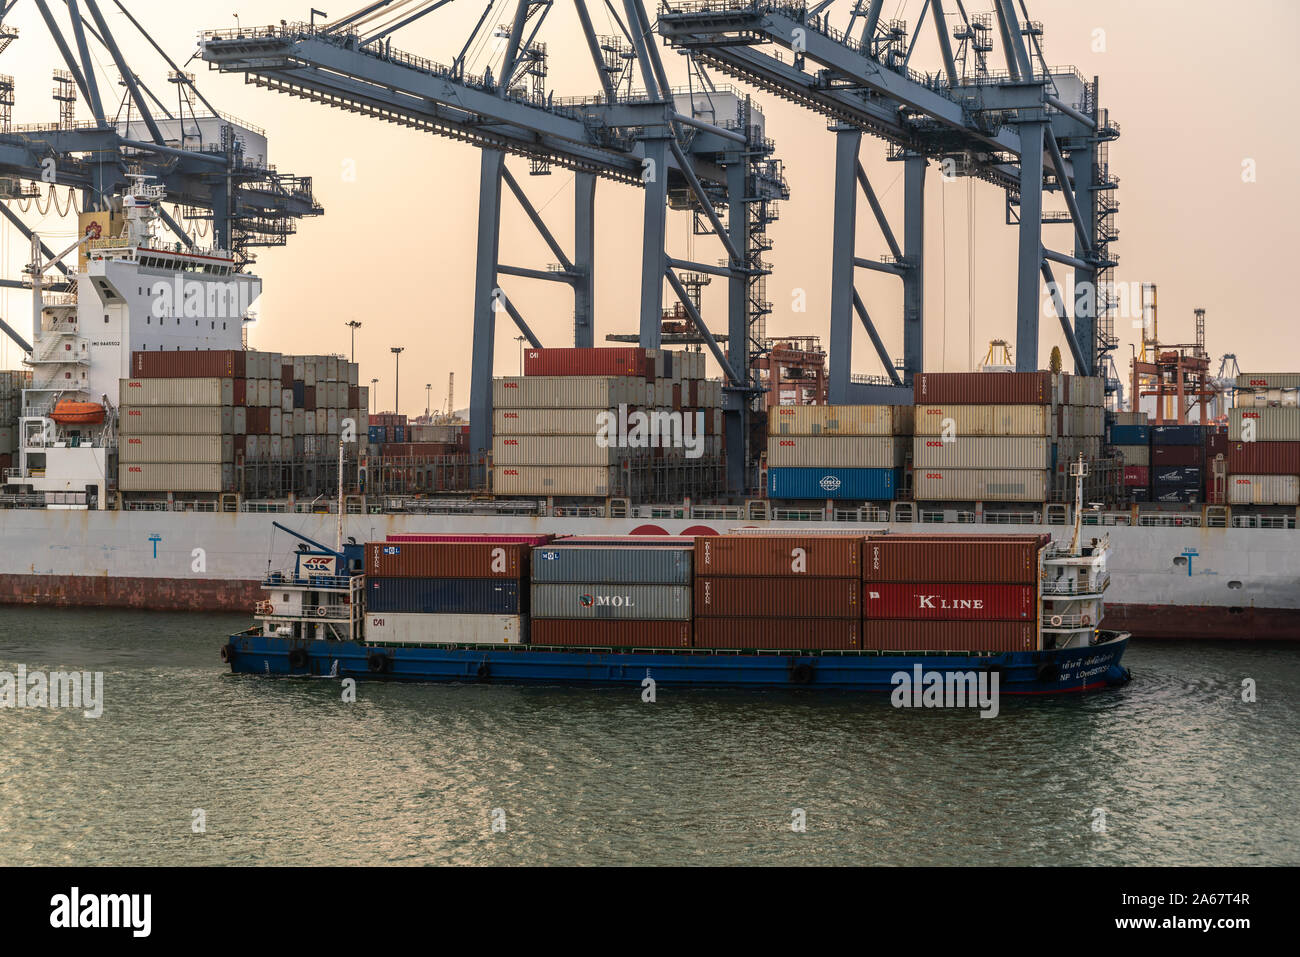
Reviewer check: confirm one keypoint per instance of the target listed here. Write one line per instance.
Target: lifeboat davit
(68, 412)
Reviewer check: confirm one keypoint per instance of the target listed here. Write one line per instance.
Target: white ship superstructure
(133, 291)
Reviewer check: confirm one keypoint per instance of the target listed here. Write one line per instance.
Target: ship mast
(338, 544)
(1078, 469)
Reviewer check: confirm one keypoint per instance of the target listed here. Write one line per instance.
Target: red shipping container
(936, 601)
(983, 388)
(948, 558)
(617, 360)
(354, 397)
(447, 560)
(479, 539)
(632, 540)
(240, 391)
(1136, 476)
(1264, 458)
(258, 421)
(910, 635)
(779, 634)
(777, 597)
(609, 633)
(189, 364)
(1169, 455)
(286, 375)
(816, 556)
(1216, 442)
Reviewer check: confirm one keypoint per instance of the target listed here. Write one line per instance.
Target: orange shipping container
(779, 634)
(610, 633)
(814, 556)
(446, 560)
(905, 635)
(753, 597)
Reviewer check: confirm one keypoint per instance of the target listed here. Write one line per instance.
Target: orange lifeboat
(68, 412)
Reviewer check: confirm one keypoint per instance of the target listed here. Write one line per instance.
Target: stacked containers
(1263, 457)
(12, 384)
(591, 422)
(433, 592)
(854, 452)
(951, 593)
(1177, 464)
(1002, 436)
(778, 591)
(612, 595)
(188, 418)
(1130, 438)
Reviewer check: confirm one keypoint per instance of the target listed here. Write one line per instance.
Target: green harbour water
(1173, 769)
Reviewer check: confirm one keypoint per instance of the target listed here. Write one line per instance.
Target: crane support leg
(584, 259)
(914, 277)
(485, 302)
(738, 342)
(847, 141)
(1028, 308)
(654, 259)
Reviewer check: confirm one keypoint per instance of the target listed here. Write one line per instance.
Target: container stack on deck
(945, 592)
(1130, 440)
(1003, 436)
(1177, 464)
(547, 425)
(210, 421)
(1264, 441)
(617, 593)
(1167, 464)
(416, 458)
(12, 383)
(472, 591)
(777, 591)
(854, 452)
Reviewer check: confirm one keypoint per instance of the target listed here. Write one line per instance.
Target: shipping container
(176, 449)
(1130, 435)
(779, 554)
(785, 597)
(1268, 380)
(1136, 476)
(446, 596)
(958, 636)
(1137, 454)
(610, 633)
(1264, 425)
(406, 628)
(984, 420)
(1177, 475)
(172, 420)
(1175, 495)
(649, 564)
(949, 601)
(1172, 455)
(568, 392)
(446, 560)
(1263, 490)
(538, 539)
(155, 477)
(840, 420)
(849, 484)
(604, 361)
(1265, 398)
(981, 452)
(980, 485)
(1177, 435)
(983, 388)
(581, 481)
(178, 392)
(561, 450)
(548, 421)
(779, 634)
(190, 364)
(983, 559)
(1264, 458)
(834, 451)
(602, 600)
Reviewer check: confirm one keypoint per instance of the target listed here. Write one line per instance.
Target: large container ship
(147, 453)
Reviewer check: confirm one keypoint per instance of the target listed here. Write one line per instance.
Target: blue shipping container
(446, 596)
(1182, 475)
(812, 483)
(613, 564)
(1177, 435)
(377, 436)
(1176, 496)
(299, 394)
(1130, 434)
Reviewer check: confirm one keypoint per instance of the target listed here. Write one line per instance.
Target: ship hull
(1019, 673)
(1166, 582)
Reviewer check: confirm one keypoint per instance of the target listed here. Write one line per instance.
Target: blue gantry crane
(699, 149)
(1028, 129)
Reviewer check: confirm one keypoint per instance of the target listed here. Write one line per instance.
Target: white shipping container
(560, 450)
(1263, 490)
(837, 420)
(286, 423)
(354, 373)
(286, 400)
(984, 420)
(1268, 380)
(321, 426)
(588, 481)
(567, 392)
(542, 422)
(1135, 454)
(1267, 397)
(837, 451)
(275, 452)
(168, 420)
(264, 392)
(979, 485)
(146, 477)
(177, 392)
(401, 628)
(331, 368)
(277, 420)
(176, 449)
(300, 421)
(1268, 425)
(982, 452)
(299, 367)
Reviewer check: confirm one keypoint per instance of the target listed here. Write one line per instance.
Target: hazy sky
(1196, 91)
